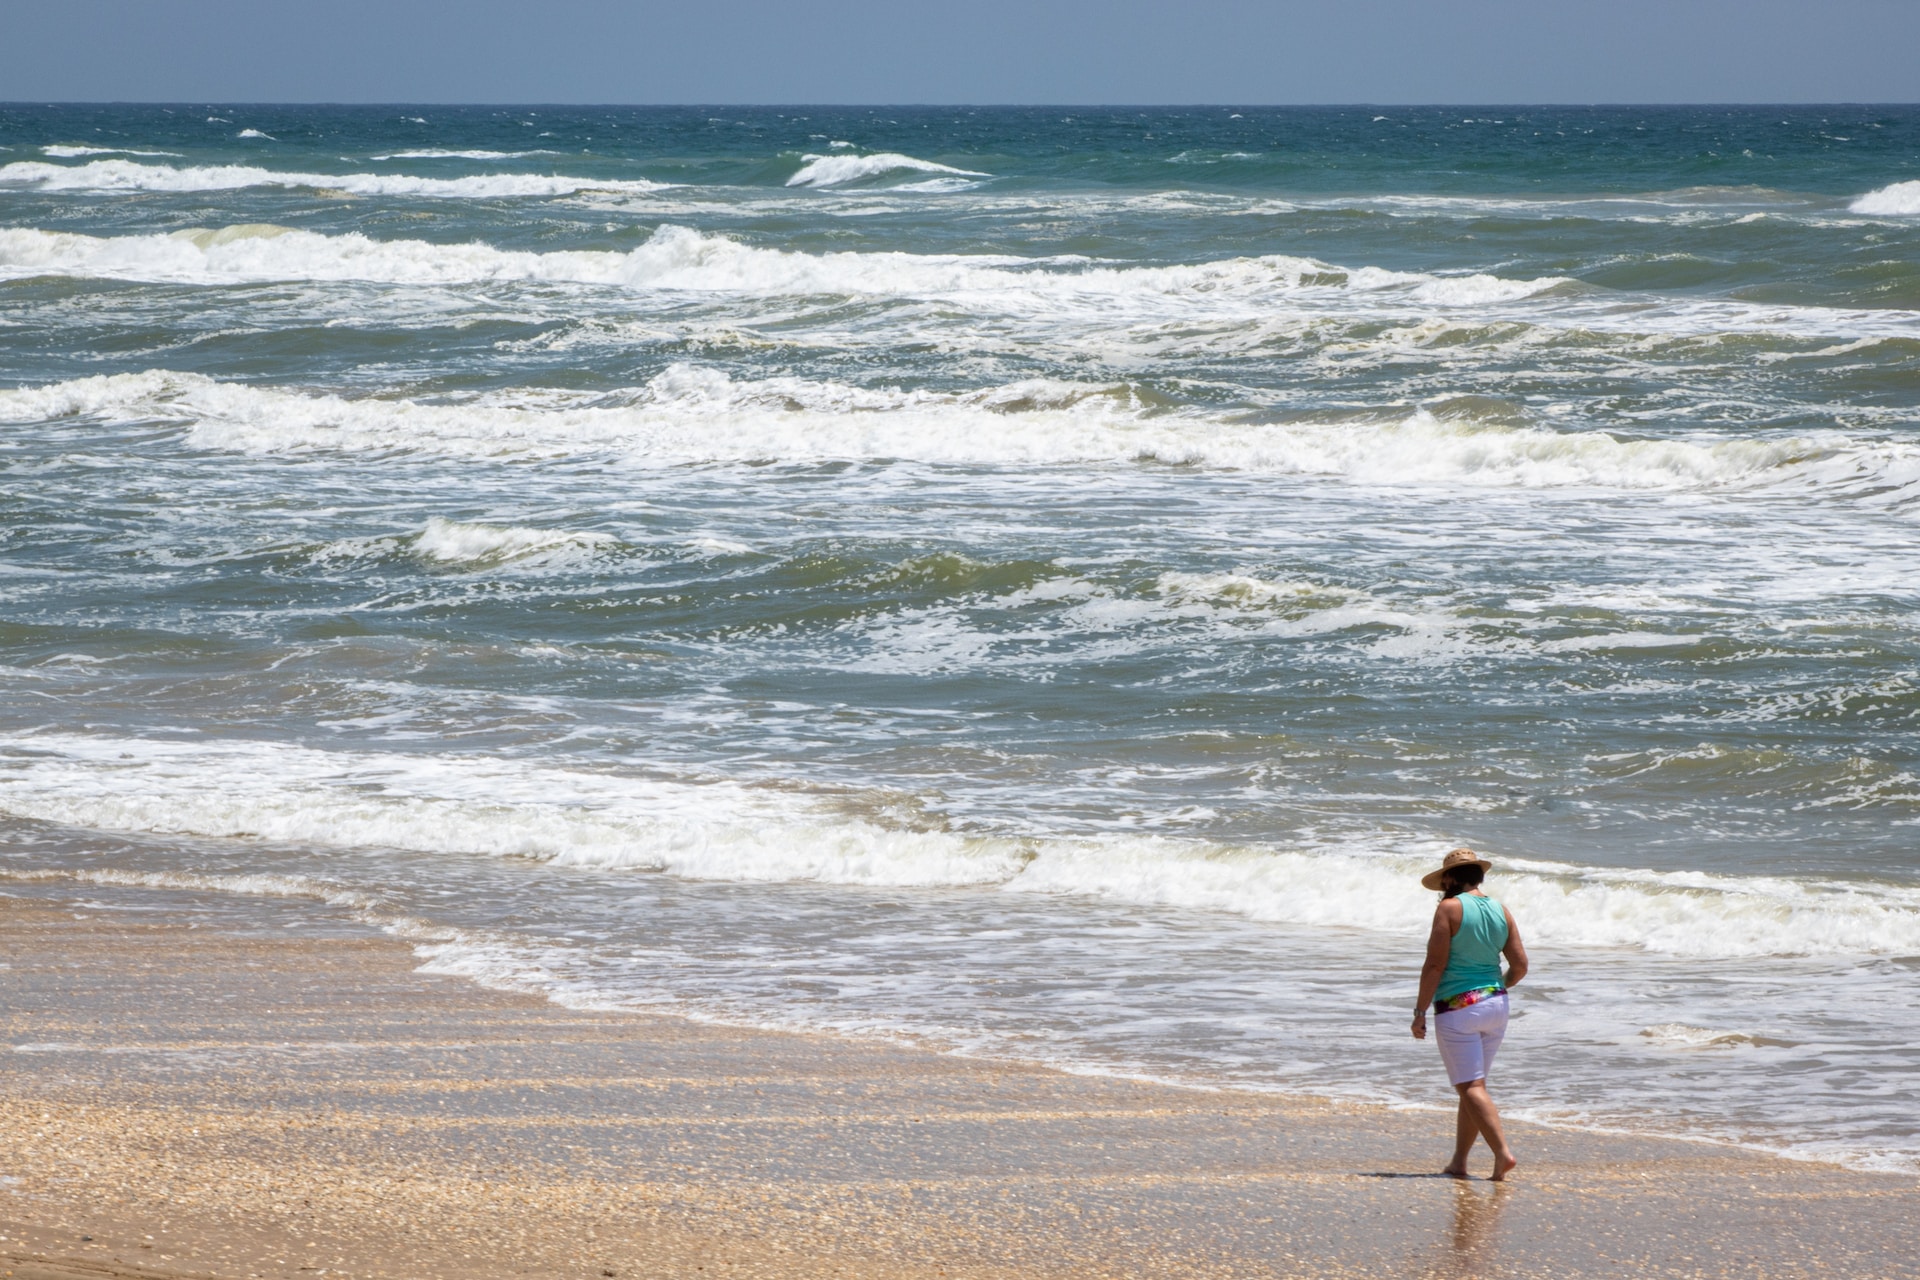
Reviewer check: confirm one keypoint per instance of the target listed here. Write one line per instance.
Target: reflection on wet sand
(1471, 1246)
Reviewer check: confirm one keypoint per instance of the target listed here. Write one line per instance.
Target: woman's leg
(1466, 1128)
(1475, 1101)
(1462, 1050)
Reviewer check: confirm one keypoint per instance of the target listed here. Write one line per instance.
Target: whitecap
(680, 258)
(127, 175)
(62, 152)
(1900, 200)
(834, 171)
(474, 545)
(690, 413)
(937, 186)
(436, 153)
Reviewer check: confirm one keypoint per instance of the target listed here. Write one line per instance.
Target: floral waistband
(1462, 999)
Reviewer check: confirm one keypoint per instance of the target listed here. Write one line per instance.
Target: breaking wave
(457, 542)
(678, 258)
(1900, 200)
(127, 175)
(465, 546)
(60, 152)
(840, 170)
(725, 830)
(695, 414)
(436, 153)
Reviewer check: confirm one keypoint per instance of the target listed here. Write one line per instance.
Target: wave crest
(1900, 200)
(62, 152)
(456, 542)
(841, 170)
(128, 175)
(695, 414)
(439, 153)
(681, 259)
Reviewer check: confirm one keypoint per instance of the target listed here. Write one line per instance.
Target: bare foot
(1455, 1171)
(1504, 1165)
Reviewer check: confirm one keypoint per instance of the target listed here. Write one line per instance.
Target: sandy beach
(179, 1101)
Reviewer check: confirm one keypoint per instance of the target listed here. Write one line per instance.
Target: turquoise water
(1037, 583)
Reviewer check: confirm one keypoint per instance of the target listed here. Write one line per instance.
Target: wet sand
(190, 1101)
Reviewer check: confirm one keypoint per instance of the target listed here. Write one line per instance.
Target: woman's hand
(1446, 919)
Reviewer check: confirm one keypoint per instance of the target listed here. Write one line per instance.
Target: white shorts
(1469, 1037)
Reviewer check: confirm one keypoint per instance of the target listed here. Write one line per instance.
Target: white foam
(936, 186)
(691, 413)
(716, 830)
(261, 885)
(1619, 640)
(255, 133)
(719, 829)
(455, 542)
(1073, 297)
(127, 175)
(836, 171)
(1237, 303)
(1679, 1035)
(673, 258)
(263, 251)
(1237, 590)
(71, 153)
(476, 547)
(436, 153)
(1900, 200)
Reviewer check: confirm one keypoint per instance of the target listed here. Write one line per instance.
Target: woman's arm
(1446, 919)
(1515, 951)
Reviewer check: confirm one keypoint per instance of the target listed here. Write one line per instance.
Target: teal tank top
(1474, 960)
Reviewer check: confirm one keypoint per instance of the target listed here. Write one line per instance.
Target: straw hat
(1455, 858)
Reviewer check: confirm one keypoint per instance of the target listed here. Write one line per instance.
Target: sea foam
(838, 171)
(681, 259)
(1241, 294)
(1900, 200)
(471, 546)
(724, 830)
(127, 175)
(456, 542)
(690, 414)
(437, 153)
(60, 152)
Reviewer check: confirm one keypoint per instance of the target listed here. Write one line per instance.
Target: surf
(127, 175)
(691, 414)
(718, 829)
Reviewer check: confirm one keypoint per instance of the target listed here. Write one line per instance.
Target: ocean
(1038, 584)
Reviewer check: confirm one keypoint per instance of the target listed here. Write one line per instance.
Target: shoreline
(416, 935)
(287, 1105)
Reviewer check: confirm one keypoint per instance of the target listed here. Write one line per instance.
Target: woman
(1461, 980)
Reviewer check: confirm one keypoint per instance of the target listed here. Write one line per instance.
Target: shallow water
(1034, 582)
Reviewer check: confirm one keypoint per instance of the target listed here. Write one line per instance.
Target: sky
(961, 51)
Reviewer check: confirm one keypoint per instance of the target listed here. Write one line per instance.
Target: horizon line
(933, 106)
